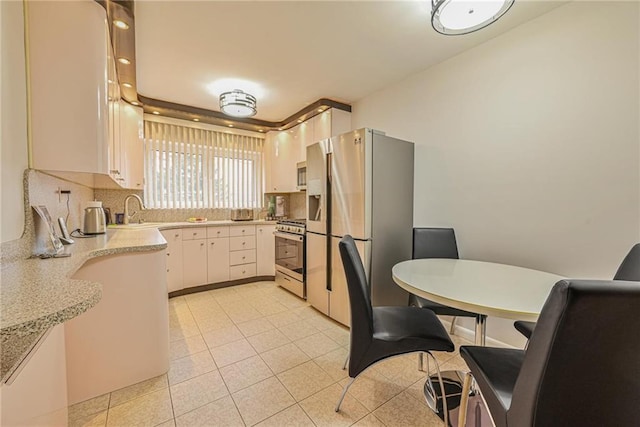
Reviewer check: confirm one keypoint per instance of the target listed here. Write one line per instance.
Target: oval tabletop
(476, 286)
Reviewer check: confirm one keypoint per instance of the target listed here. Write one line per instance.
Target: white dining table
(486, 288)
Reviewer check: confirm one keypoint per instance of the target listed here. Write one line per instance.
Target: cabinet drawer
(215, 232)
(242, 271)
(242, 243)
(245, 230)
(242, 257)
(172, 235)
(194, 233)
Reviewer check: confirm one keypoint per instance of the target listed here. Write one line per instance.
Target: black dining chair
(628, 270)
(378, 333)
(436, 243)
(581, 368)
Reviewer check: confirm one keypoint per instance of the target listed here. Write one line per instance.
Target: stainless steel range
(290, 255)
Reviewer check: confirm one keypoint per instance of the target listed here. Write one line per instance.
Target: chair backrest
(582, 365)
(434, 243)
(359, 300)
(630, 267)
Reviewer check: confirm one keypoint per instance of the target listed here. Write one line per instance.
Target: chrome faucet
(127, 217)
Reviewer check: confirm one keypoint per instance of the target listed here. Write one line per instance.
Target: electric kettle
(94, 219)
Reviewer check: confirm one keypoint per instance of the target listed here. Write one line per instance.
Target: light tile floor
(257, 355)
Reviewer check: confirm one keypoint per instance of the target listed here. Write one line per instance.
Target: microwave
(301, 175)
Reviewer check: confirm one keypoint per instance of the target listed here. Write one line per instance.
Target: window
(188, 167)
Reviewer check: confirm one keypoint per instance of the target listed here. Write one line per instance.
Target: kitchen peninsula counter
(37, 294)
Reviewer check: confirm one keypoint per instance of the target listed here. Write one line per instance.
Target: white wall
(13, 119)
(529, 143)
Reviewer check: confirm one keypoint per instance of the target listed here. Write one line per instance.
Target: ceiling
(293, 52)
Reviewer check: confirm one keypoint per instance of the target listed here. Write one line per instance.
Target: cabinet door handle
(177, 235)
(243, 257)
(243, 231)
(195, 234)
(244, 243)
(201, 244)
(212, 243)
(168, 254)
(243, 271)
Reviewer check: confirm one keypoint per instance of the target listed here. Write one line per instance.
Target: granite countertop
(37, 294)
(185, 224)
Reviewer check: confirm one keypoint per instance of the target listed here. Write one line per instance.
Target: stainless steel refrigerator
(358, 183)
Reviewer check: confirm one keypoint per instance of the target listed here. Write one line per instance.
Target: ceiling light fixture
(129, 85)
(456, 17)
(135, 103)
(238, 104)
(156, 113)
(121, 24)
(196, 120)
(124, 61)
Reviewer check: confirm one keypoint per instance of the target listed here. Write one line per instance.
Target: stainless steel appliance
(94, 219)
(301, 169)
(290, 255)
(359, 183)
(241, 214)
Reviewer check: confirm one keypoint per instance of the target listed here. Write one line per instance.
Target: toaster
(241, 214)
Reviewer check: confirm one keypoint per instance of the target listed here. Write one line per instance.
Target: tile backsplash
(42, 189)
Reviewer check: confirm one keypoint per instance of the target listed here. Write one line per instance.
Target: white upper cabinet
(284, 149)
(131, 145)
(330, 123)
(305, 136)
(68, 49)
(282, 153)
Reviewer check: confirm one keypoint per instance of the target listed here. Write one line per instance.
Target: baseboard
(212, 286)
(470, 335)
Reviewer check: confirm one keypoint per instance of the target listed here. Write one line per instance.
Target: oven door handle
(289, 236)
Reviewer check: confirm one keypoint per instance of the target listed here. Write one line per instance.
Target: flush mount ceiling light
(238, 104)
(455, 17)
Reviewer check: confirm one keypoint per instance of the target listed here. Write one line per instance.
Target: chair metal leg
(344, 393)
(421, 363)
(453, 325)
(346, 361)
(445, 408)
(464, 400)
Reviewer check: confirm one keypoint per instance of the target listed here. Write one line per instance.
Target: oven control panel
(287, 228)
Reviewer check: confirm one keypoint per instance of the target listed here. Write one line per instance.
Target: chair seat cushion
(525, 328)
(440, 309)
(496, 371)
(393, 324)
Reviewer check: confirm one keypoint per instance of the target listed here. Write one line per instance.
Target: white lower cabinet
(218, 260)
(124, 339)
(174, 259)
(194, 257)
(36, 394)
(242, 255)
(199, 256)
(265, 250)
(242, 271)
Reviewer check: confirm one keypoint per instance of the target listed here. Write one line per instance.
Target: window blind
(187, 167)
